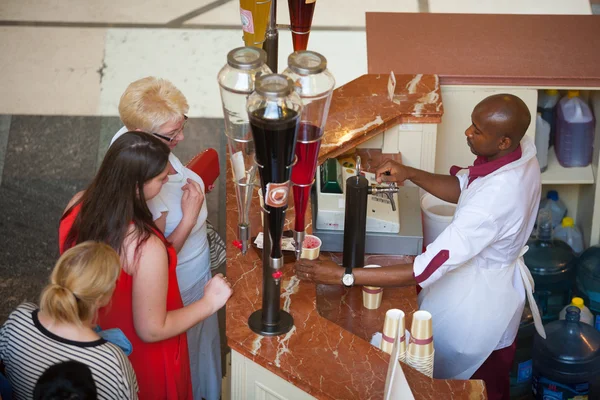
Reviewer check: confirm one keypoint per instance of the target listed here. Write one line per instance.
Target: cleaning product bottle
(553, 203)
(586, 315)
(547, 100)
(542, 140)
(574, 131)
(570, 234)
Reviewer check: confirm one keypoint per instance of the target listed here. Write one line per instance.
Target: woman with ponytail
(62, 328)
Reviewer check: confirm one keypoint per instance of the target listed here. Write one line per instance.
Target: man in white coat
(472, 278)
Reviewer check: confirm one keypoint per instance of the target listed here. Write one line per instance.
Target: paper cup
(393, 323)
(421, 335)
(312, 253)
(372, 294)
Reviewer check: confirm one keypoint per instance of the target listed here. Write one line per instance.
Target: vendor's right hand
(218, 290)
(191, 201)
(391, 171)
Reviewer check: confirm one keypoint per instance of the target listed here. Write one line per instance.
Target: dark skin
(498, 123)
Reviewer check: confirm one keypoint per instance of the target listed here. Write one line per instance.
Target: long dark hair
(115, 198)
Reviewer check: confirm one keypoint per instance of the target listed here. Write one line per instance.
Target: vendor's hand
(392, 171)
(319, 271)
(191, 201)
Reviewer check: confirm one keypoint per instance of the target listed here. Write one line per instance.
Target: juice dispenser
(255, 18)
(314, 83)
(274, 111)
(236, 82)
(301, 15)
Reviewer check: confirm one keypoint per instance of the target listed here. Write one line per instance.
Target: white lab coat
(473, 277)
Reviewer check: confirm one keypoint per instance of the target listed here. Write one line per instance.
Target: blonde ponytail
(82, 281)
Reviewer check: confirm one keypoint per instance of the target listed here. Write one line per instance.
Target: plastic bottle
(547, 101)
(542, 141)
(553, 203)
(588, 280)
(566, 365)
(570, 234)
(574, 131)
(586, 315)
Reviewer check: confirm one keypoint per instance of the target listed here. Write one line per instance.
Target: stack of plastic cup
(420, 352)
(372, 294)
(393, 325)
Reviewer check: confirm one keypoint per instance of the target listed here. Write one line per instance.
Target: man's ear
(505, 143)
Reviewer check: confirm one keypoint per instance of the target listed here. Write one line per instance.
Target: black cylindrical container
(355, 221)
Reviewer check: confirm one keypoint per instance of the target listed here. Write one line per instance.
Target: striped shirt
(27, 349)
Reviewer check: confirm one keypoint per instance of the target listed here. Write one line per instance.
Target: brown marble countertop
(362, 109)
(494, 49)
(327, 353)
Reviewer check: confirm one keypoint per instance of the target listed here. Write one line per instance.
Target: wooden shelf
(558, 175)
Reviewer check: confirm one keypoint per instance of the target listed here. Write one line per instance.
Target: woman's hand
(191, 201)
(319, 271)
(218, 290)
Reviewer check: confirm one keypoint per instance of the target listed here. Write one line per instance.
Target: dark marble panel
(4, 131)
(108, 127)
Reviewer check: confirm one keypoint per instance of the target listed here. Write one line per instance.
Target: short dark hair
(69, 380)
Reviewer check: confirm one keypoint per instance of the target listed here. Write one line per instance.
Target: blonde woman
(61, 329)
(156, 106)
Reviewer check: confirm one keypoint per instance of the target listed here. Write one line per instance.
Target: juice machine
(393, 223)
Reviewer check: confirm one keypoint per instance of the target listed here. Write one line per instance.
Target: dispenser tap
(387, 191)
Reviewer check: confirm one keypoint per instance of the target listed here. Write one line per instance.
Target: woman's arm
(151, 319)
(191, 204)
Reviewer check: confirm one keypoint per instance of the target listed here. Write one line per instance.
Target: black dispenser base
(286, 322)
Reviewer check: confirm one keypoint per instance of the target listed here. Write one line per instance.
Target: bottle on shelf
(566, 364)
(586, 315)
(542, 140)
(570, 234)
(557, 208)
(588, 280)
(574, 131)
(552, 265)
(547, 101)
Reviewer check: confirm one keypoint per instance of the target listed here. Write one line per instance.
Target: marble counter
(362, 109)
(327, 353)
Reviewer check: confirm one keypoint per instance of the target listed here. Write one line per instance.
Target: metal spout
(388, 191)
(298, 240)
(244, 235)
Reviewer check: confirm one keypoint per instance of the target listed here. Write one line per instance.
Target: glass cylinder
(301, 15)
(314, 83)
(274, 111)
(236, 82)
(255, 18)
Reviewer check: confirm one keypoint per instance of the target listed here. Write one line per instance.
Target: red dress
(162, 368)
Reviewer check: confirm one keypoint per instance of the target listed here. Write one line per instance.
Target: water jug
(574, 131)
(586, 315)
(552, 265)
(567, 363)
(542, 138)
(570, 234)
(520, 374)
(588, 280)
(547, 101)
(553, 203)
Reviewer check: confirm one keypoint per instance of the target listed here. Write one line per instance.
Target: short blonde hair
(151, 102)
(84, 277)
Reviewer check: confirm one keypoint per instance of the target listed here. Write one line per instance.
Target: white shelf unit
(577, 187)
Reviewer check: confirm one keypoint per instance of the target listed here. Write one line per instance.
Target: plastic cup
(421, 336)
(311, 252)
(372, 295)
(393, 323)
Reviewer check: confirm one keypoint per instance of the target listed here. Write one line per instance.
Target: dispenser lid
(307, 62)
(552, 92)
(246, 57)
(552, 195)
(274, 85)
(572, 93)
(577, 302)
(567, 222)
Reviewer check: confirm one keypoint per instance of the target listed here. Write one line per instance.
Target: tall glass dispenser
(236, 82)
(301, 15)
(274, 111)
(314, 83)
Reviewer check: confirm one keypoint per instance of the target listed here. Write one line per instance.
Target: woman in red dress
(146, 304)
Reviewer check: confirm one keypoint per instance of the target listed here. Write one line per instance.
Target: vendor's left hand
(319, 271)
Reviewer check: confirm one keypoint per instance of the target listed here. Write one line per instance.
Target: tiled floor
(65, 64)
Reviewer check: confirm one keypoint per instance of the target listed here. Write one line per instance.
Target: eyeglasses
(172, 135)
